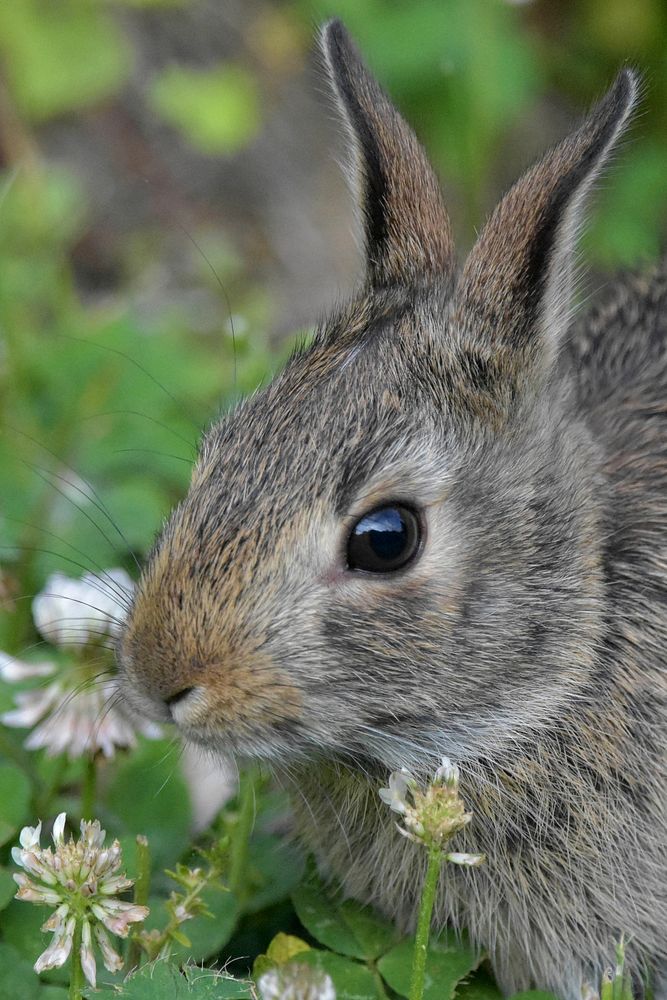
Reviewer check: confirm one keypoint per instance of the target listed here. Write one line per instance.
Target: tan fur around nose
(171, 635)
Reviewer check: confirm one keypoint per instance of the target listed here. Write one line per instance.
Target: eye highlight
(384, 540)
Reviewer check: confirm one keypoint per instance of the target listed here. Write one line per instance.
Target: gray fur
(527, 642)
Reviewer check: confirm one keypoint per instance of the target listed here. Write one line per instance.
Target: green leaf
(534, 995)
(217, 110)
(276, 869)
(282, 949)
(321, 917)
(149, 796)
(21, 923)
(161, 979)
(374, 934)
(232, 989)
(480, 986)
(352, 981)
(447, 963)
(17, 976)
(222, 986)
(60, 56)
(7, 888)
(14, 801)
(203, 936)
(345, 927)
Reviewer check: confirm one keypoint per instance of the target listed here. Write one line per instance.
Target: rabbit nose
(186, 706)
(173, 699)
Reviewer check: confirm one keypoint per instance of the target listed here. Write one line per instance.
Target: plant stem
(241, 835)
(89, 789)
(424, 924)
(52, 788)
(160, 947)
(141, 891)
(76, 975)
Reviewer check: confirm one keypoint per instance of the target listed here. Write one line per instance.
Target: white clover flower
(72, 612)
(12, 669)
(399, 784)
(75, 719)
(432, 816)
(80, 878)
(77, 712)
(447, 773)
(469, 860)
(296, 981)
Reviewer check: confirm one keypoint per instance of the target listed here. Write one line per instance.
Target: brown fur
(527, 641)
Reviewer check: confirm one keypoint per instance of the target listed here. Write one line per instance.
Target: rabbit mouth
(198, 722)
(187, 706)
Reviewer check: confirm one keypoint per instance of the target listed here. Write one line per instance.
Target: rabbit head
(393, 550)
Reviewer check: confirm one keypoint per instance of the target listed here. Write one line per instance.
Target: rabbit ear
(407, 230)
(515, 289)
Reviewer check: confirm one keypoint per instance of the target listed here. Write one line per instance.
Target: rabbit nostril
(174, 699)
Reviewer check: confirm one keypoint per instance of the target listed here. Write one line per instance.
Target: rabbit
(442, 530)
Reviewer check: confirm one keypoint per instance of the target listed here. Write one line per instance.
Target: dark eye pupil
(384, 540)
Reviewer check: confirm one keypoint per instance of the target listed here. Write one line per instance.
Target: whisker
(77, 600)
(85, 604)
(152, 451)
(174, 743)
(171, 774)
(45, 473)
(74, 642)
(133, 361)
(145, 416)
(98, 502)
(87, 684)
(110, 704)
(108, 579)
(222, 289)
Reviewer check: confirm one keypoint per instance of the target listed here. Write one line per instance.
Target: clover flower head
(447, 773)
(80, 878)
(76, 711)
(296, 981)
(433, 815)
(400, 782)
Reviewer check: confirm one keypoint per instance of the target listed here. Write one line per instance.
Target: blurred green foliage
(218, 111)
(61, 56)
(100, 408)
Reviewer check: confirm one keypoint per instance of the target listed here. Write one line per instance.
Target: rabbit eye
(384, 540)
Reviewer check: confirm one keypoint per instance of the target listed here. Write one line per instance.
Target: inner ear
(407, 233)
(515, 291)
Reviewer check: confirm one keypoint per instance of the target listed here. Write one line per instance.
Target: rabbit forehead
(339, 412)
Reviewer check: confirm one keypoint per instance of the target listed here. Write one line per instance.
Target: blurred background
(172, 215)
